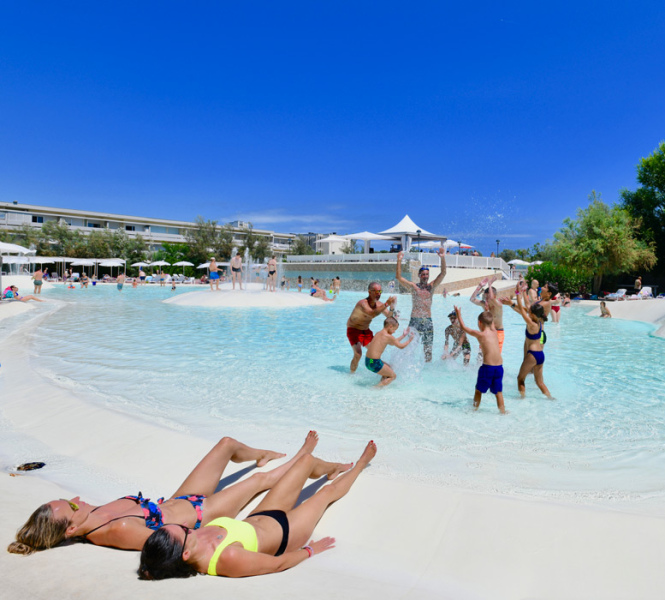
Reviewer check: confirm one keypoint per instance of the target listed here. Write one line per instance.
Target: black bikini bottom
(280, 517)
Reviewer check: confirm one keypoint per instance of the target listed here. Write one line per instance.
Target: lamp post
(418, 232)
(497, 247)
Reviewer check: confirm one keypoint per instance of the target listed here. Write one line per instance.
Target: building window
(130, 228)
(36, 219)
(94, 225)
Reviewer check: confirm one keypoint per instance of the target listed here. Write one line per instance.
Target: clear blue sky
(481, 121)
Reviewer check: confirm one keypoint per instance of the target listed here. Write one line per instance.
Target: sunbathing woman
(535, 357)
(127, 523)
(270, 540)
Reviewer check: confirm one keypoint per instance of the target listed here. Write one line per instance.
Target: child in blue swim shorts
(490, 374)
(378, 344)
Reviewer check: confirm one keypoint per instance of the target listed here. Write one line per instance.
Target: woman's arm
(238, 562)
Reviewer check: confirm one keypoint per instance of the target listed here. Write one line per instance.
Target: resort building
(154, 231)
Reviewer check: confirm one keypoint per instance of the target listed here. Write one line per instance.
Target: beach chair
(620, 294)
(645, 292)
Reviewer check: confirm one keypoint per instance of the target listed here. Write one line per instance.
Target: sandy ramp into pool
(253, 296)
(396, 539)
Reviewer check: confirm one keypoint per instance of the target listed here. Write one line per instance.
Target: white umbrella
(183, 263)
(518, 261)
(42, 260)
(203, 266)
(83, 262)
(160, 263)
(367, 237)
(141, 264)
(16, 260)
(6, 248)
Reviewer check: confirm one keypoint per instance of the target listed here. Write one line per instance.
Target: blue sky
(480, 121)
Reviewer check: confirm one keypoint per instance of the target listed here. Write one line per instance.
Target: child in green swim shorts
(378, 344)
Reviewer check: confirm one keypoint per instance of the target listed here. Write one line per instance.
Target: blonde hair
(40, 532)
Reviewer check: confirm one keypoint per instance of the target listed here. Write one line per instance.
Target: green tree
(603, 240)
(349, 247)
(647, 203)
(300, 246)
(507, 254)
(62, 240)
(172, 253)
(223, 243)
(567, 279)
(262, 248)
(201, 239)
(249, 241)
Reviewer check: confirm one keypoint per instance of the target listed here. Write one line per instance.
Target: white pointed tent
(406, 230)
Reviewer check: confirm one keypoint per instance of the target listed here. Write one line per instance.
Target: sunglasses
(72, 505)
(186, 530)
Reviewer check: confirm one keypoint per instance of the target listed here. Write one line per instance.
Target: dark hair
(486, 317)
(161, 558)
(538, 310)
(552, 288)
(369, 287)
(452, 315)
(423, 269)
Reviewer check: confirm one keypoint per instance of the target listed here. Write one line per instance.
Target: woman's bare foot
(265, 456)
(368, 454)
(311, 441)
(330, 469)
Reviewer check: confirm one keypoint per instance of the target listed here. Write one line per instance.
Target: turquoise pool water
(286, 371)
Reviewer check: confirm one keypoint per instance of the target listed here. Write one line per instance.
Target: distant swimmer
(272, 274)
(236, 270)
(336, 285)
(604, 311)
(120, 281)
(377, 346)
(461, 344)
(490, 374)
(214, 274)
(357, 327)
(421, 294)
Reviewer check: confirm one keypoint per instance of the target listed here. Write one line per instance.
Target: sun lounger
(618, 295)
(645, 292)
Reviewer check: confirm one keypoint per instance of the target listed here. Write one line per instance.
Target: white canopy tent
(406, 231)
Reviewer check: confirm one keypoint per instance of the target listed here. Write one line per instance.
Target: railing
(424, 258)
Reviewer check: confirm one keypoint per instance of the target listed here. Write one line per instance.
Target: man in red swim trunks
(357, 327)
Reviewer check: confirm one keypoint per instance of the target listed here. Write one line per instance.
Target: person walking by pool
(214, 274)
(127, 523)
(490, 374)
(421, 295)
(357, 327)
(273, 538)
(272, 274)
(604, 311)
(461, 344)
(38, 280)
(142, 276)
(638, 285)
(377, 346)
(534, 359)
(85, 280)
(120, 281)
(236, 270)
(336, 285)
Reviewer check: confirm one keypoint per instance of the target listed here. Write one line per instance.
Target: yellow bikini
(236, 531)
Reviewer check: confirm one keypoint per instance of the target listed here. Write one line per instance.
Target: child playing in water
(490, 374)
(378, 344)
(460, 342)
(534, 357)
(604, 311)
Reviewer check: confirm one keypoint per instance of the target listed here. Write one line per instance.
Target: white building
(154, 231)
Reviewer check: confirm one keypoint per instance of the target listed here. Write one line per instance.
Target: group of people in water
(196, 530)
(534, 304)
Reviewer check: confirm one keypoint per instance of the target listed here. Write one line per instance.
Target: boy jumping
(490, 374)
(376, 347)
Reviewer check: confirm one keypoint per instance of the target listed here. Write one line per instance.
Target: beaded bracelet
(309, 551)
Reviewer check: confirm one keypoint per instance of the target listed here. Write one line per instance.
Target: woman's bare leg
(231, 500)
(285, 493)
(540, 382)
(527, 366)
(303, 519)
(206, 475)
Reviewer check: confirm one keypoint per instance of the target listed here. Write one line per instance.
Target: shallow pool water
(212, 370)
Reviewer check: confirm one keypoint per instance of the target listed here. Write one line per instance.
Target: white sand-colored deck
(395, 538)
(647, 311)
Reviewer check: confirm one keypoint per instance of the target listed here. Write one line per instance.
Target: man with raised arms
(357, 327)
(421, 294)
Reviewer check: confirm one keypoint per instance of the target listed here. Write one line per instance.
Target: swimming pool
(286, 371)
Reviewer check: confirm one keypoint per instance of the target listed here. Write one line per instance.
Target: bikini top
(534, 336)
(152, 514)
(236, 531)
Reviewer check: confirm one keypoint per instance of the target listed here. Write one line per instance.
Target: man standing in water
(236, 270)
(272, 274)
(357, 327)
(421, 294)
(214, 274)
